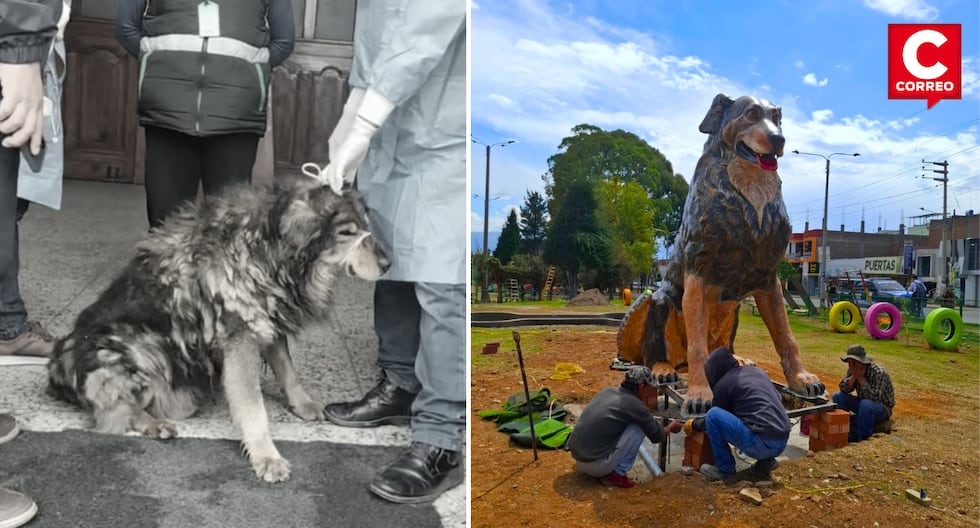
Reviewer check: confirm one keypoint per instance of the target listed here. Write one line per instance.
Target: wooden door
(99, 103)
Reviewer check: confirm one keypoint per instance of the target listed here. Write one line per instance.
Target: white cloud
(821, 116)
(909, 9)
(811, 79)
(799, 64)
(502, 100)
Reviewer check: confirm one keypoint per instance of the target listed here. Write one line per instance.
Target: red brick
(697, 450)
(650, 397)
(817, 445)
(836, 417)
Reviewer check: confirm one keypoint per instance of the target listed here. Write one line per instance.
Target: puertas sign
(883, 265)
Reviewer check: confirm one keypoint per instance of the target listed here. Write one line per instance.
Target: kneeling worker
(608, 435)
(747, 413)
(875, 395)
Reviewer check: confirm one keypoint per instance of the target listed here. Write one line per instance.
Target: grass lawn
(911, 364)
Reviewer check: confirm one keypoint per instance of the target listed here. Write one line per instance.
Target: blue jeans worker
(747, 413)
(608, 435)
(875, 395)
(403, 135)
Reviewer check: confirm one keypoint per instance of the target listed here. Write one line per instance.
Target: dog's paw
(807, 385)
(271, 469)
(697, 402)
(664, 372)
(309, 410)
(163, 430)
(159, 429)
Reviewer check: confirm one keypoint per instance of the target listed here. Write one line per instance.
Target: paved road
(85, 479)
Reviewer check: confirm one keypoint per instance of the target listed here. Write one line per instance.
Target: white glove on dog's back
(353, 146)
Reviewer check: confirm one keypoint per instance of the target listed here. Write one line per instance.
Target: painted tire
(883, 311)
(627, 297)
(844, 317)
(935, 332)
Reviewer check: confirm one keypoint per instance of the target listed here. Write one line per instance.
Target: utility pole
(943, 250)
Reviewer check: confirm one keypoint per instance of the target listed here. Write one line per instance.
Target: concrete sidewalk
(68, 257)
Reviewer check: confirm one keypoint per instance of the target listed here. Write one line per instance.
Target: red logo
(924, 62)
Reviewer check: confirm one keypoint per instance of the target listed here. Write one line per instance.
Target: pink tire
(883, 312)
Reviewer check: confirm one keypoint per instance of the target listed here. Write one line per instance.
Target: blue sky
(652, 67)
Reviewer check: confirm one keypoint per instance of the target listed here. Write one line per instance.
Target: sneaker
(615, 479)
(16, 509)
(713, 474)
(8, 428)
(33, 346)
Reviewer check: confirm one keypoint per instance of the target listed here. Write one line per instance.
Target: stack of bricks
(829, 430)
(650, 396)
(697, 450)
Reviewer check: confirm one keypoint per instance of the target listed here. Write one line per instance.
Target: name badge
(208, 22)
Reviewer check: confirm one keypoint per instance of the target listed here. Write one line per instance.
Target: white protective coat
(414, 178)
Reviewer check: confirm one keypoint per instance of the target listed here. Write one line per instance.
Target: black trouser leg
(228, 160)
(173, 172)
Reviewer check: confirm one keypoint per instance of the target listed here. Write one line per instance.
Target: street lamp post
(822, 284)
(484, 294)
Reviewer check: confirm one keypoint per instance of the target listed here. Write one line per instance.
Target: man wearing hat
(610, 431)
(875, 395)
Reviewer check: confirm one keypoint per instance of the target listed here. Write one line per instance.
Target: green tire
(936, 331)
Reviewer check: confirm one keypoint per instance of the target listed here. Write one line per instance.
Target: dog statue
(733, 234)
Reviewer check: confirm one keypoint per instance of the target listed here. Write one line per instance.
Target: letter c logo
(910, 51)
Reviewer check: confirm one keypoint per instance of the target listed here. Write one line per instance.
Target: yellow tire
(627, 297)
(844, 317)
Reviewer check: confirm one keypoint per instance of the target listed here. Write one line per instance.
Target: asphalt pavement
(81, 478)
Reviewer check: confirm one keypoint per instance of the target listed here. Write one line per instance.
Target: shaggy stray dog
(732, 237)
(211, 293)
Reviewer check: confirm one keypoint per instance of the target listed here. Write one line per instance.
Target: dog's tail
(642, 334)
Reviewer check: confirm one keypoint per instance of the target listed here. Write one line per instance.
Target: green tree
(534, 221)
(593, 155)
(528, 269)
(577, 238)
(637, 189)
(630, 216)
(509, 242)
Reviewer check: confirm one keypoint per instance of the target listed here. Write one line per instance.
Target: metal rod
(666, 439)
(527, 392)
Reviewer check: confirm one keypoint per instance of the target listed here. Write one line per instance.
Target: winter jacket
(205, 79)
(605, 418)
(27, 29)
(748, 393)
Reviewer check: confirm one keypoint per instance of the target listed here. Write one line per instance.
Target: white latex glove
(352, 149)
(342, 130)
(22, 106)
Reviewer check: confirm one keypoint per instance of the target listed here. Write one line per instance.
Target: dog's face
(749, 127)
(338, 227)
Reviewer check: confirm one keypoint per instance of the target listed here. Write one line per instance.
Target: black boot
(420, 475)
(385, 404)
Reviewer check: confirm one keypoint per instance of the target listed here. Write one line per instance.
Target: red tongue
(767, 162)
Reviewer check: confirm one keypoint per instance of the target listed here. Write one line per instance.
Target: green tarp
(546, 412)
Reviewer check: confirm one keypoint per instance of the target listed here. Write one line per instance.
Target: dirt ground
(861, 485)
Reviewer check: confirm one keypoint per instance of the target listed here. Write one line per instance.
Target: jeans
(621, 459)
(421, 330)
(725, 428)
(868, 414)
(13, 314)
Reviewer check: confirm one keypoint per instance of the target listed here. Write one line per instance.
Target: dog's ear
(712, 121)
